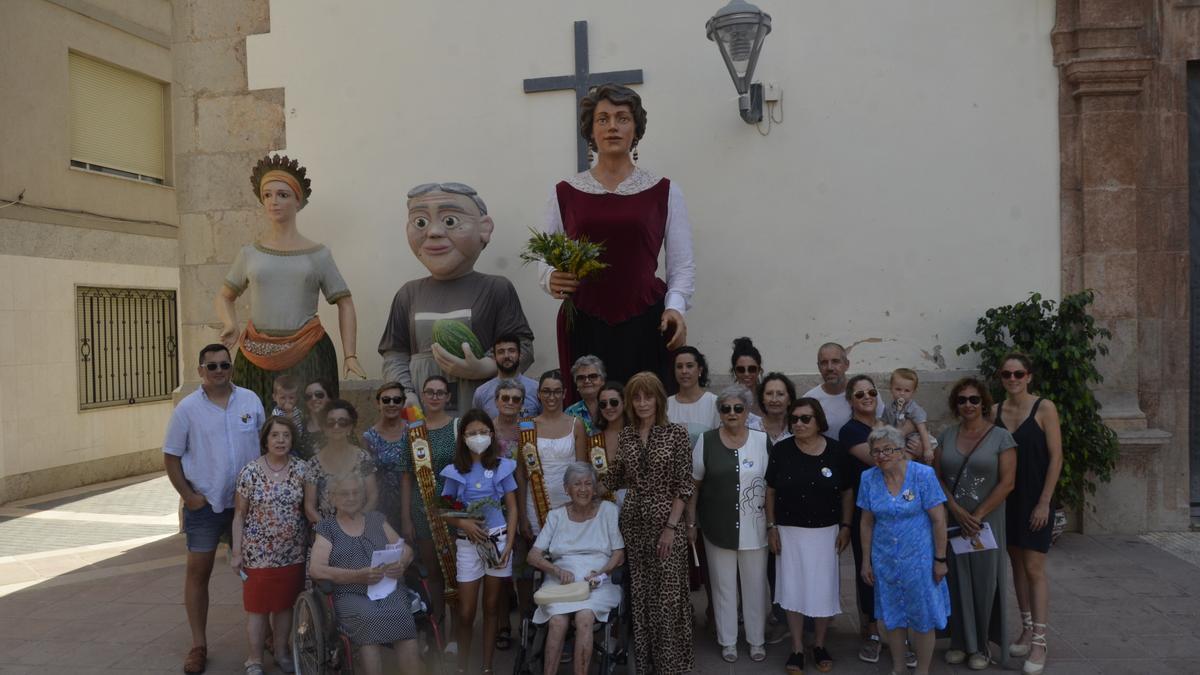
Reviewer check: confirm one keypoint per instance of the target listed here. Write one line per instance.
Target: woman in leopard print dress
(654, 461)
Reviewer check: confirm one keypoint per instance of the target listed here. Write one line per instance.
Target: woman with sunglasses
(560, 441)
(587, 374)
(976, 462)
(316, 397)
(338, 456)
(904, 536)
(692, 406)
(728, 465)
(385, 441)
(1034, 424)
(611, 404)
(745, 365)
(863, 399)
(809, 503)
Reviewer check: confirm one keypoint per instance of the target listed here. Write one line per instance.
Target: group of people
(488, 477)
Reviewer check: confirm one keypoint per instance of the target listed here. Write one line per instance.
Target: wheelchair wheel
(308, 636)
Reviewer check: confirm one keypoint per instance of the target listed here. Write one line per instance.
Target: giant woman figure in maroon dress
(626, 315)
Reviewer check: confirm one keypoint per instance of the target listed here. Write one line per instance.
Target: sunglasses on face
(803, 419)
(550, 392)
(510, 398)
(735, 408)
(869, 392)
(391, 400)
(339, 422)
(589, 377)
(1013, 374)
(610, 403)
(879, 452)
(223, 365)
(746, 370)
(316, 394)
(436, 393)
(973, 400)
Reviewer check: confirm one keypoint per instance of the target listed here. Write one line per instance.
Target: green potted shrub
(1063, 342)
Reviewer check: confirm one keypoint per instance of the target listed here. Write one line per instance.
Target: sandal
(197, 659)
(823, 659)
(504, 639)
(1017, 648)
(1039, 640)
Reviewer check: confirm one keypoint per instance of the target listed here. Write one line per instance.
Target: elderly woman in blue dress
(904, 547)
(580, 542)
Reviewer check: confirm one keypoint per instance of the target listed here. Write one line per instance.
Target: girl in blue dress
(904, 547)
(478, 474)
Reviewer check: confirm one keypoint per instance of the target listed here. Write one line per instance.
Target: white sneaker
(729, 653)
(451, 648)
(955, 656)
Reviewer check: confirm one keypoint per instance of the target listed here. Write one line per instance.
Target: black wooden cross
(581, 82)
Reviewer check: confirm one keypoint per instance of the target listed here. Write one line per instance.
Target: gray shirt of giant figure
(448, 228)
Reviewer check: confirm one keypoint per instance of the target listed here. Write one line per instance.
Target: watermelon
(451, 335)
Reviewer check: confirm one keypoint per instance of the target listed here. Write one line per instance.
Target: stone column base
(1132, 502)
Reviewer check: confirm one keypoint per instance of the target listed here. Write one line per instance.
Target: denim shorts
(204, 528)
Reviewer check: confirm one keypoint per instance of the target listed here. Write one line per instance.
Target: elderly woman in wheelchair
(577, 549)
(342, 555)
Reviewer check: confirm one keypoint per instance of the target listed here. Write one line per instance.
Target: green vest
(718, 507)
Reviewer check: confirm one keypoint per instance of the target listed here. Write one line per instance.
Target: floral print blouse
(275, 532)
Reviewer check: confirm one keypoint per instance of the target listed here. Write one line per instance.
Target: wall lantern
(739, 29)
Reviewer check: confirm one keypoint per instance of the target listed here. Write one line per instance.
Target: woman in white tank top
(560, 441)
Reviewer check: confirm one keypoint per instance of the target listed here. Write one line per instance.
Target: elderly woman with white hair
(587, 376)
(580, 542)
(729, 464)
(904, 547)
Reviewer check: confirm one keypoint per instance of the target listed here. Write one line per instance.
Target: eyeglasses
(511, 398)
(1013, 374)
(973, 400)
(610, 403)
(390, 400)
(803, 419)
(746, 370)
(879, 452)
(223, 365)
(588, 377)
(316, 394)
(550, 392)
(436, 393)
(869, 392)
(340, 422)
(735, 408)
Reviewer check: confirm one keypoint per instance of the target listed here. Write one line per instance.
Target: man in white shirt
(833, 363)
(213, 433)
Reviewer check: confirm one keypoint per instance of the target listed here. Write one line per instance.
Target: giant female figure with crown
(284, 272)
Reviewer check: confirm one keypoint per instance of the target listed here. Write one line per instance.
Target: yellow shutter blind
(117, 118)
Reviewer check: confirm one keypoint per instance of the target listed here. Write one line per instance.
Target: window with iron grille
(127, 345)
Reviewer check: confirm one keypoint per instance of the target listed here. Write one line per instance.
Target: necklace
(273, 469)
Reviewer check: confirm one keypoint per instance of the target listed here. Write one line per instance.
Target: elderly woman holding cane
(904, 547)
(580, 542)
(728, 465)
(342, 554)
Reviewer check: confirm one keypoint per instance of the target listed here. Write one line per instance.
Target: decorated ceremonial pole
(418, 442)
(533, 466)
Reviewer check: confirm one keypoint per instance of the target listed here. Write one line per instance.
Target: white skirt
(806, 572)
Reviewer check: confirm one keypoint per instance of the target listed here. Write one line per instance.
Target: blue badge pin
(826, 472)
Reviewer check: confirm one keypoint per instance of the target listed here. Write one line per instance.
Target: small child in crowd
(907, 415)
(285, 392)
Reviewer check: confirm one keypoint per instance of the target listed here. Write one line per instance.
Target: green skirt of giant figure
(319, 364)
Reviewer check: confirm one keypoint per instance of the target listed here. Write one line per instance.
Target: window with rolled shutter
(118, 121)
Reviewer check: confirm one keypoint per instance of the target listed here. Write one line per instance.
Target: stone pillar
(220, 130)
(1111, 84)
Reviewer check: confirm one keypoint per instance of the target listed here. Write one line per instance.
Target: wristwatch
(770, 526)
(937, 559)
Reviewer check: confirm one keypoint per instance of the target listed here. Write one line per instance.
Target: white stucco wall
(912, 184)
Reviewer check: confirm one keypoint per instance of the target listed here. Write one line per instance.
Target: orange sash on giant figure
(280, 353)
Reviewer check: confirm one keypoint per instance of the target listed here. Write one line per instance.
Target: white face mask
(479, 444)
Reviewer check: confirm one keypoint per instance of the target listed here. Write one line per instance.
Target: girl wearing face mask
(339, 455)
(479, 473)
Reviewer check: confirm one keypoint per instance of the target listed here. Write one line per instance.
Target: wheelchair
(612, 640)
(319, 647)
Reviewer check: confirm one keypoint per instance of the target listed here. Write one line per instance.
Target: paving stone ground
(92, 583)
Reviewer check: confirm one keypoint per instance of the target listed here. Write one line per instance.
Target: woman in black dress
(1034, 424)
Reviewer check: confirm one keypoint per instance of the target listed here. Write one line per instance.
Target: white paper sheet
(388, 556)
(984, 541)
